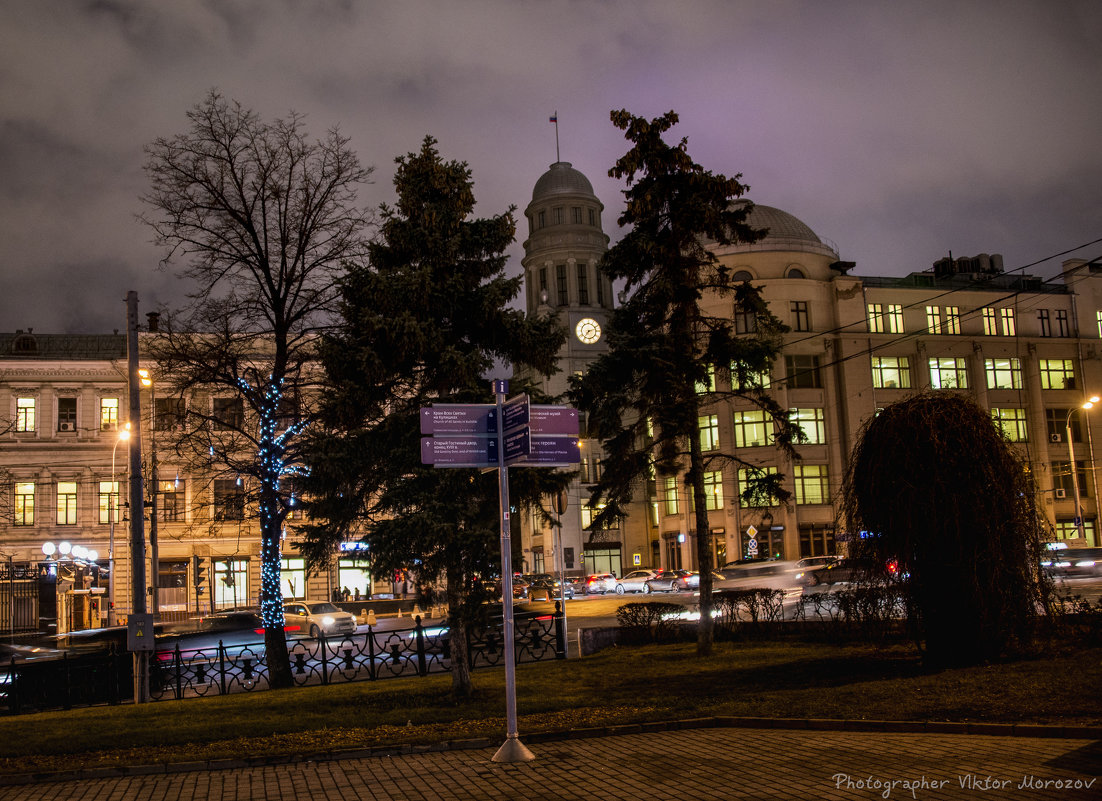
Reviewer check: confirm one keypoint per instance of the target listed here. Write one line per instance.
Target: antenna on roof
(555, 119)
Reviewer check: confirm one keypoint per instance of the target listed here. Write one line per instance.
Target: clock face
(588, 330)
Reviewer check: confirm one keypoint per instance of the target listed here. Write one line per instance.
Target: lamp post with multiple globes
(1088, 404)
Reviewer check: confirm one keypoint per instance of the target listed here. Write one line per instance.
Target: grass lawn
(618, 685)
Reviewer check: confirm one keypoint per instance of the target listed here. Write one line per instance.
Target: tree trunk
(271, 597)
(705, 631)
(457, 633)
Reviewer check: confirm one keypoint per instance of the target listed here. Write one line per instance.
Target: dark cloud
(899, 131)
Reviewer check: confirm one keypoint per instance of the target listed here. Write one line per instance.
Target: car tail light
(258, 631)
(289, 628)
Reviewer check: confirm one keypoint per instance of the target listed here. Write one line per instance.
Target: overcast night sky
(899, 131)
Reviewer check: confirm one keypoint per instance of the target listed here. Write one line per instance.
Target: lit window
(170, 507)
(813, 424)
(990, 323)
(752, 429)
(751, 493)
(709, 431)
(948, 372)
(952, 319)
(66, 503)
(1057, 374)
(1098, 319)
(709, 382)
(933, 319)
(588, 515)
(713, 489)
(292, 578)
(891, 372)
(1006, 316)
(231, 582)
(671, 495)
(24, 503)
(743, 378)
(895, 318)
(24, 414)
(1012, 422)
(1003, 373)
(874, 315)
(108, 414)
(108, 501)
(812, 483)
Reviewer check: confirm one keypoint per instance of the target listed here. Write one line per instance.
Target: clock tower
(565, 243)
(564, 246)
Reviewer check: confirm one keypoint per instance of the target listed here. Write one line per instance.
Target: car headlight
(327, 620)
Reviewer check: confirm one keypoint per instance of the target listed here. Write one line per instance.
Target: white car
(634, 581)
(317, 617)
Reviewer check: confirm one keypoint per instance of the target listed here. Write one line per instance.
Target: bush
(650, 621)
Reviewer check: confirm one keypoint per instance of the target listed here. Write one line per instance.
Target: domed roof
(561, 179)
(782, 225)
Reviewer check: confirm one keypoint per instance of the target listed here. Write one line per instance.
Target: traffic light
(199, 575)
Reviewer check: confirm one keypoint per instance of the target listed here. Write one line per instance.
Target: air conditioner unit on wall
(1060, 493)
(66, 427)
(1055, 437)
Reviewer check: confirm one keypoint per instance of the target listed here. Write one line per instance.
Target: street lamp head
(146, 377)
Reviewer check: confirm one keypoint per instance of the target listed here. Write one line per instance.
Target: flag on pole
(554, 118)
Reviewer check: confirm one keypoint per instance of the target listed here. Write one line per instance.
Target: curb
(406, 749)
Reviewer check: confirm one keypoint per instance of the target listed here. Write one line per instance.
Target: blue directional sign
(458, 418)
(515, 412)
(517, 445)
(553, 420)
(548, 451)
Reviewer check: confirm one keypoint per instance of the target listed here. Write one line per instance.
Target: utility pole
(137, 504)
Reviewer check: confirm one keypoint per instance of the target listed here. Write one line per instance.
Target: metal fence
(18, 598)
(220, 670)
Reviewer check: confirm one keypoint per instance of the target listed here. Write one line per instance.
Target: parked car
(541, 583)
(600, 583)
(634, 581)
(314, 618)
(669, 581)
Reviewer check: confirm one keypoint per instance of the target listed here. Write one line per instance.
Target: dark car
(847, 571)
(544, 584)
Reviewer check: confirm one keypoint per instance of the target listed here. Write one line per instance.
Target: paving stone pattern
(689, 763)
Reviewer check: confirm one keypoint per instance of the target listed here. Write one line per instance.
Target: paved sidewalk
(686, 763)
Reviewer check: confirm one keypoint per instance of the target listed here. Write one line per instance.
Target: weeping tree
(935, 486)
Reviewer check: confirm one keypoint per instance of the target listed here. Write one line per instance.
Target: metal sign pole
(512, 750)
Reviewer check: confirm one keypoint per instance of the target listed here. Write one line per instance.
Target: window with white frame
(948, 372)
(812, 483)
(891, 372)
(231, 583)
(750, 492)
(1003, 373)
(1006, 320)
(812, 422)
(713, 489)
(1012, 422)
(990, 322)
(108, 501)
(108, 414)
(1057, 374)
(24, 414)
(709, 431)
(24, 503)
(671, 495)
(292, 577)
(752, 428)
(66, 503)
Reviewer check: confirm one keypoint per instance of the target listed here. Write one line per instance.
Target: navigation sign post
(501, 434)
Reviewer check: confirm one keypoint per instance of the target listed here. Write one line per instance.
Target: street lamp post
(113, 511)
(1071, 463)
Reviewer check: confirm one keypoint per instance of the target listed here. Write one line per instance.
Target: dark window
(1046, 326)
(1062, 328)
(560, 275)
(560, 215)
(592, 217)
(802, 372)
(288, 413)
(1056, 420)
(170, 506)
(1061, 478)
(66, 414)
(228, 413)
(800, 320)
(746, 321)
(229, 500)
(583, 285)
(576, 214)
(169, 414)
(600, 289)
(816, 540)
(541, 219)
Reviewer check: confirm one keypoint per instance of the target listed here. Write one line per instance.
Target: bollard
(371, 621)
(416, 611)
